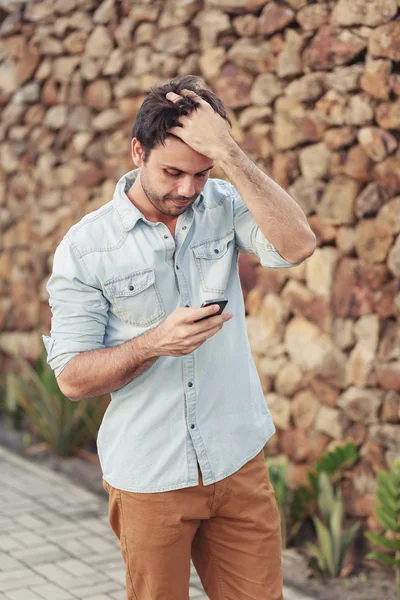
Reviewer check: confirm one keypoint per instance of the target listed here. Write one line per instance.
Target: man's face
(173, 176)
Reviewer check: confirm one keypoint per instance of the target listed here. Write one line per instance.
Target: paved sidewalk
(55, 540)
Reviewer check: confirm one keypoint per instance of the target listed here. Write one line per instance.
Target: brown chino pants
(231, 529)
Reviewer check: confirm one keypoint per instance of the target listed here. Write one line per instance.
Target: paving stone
(112, 560)
(77, 548)
(20, 509)
(22, 595)
(39, 554)
(101, 588)
(118, 596)
(52, 592)
(76, 567)
(96, 525)
(27, 538)
(29, 522)
(77, 513)
(15, 580)
(54, 574)
(7, 543)
(98, 545)
(89, 581)
(50, 518)
(57, 575)
(8, 563)
(6, 525)
(117, 575)
(65, 531)
(8, 495)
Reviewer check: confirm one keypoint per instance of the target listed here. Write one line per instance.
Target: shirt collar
(128, 213)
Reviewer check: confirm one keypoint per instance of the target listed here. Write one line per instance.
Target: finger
(173, 97)
(177, 131)
(193, 314)
(213, 321)
(191, 94)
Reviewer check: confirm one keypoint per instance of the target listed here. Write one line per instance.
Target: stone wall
(313, 94)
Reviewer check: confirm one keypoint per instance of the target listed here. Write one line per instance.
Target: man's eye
(173, 174)
(201, 175)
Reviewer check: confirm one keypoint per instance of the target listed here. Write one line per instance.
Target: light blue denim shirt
(114, 277)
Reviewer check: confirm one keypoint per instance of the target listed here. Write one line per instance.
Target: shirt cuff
(269, 255)
(61, 352)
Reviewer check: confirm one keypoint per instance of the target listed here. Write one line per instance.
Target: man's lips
(182, 201)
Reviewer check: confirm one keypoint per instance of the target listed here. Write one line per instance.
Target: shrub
(327, 556)
(388, 513)
(65, 426)
(333, 463)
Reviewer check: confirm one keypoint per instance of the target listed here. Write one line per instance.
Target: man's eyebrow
(180, 170)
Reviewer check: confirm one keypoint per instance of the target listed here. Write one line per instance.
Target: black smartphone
(222, 302)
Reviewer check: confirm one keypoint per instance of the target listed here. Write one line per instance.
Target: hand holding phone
(179, 335)
(222, 302)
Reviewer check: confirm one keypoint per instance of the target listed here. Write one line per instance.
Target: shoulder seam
(78, 226)
(75, 249)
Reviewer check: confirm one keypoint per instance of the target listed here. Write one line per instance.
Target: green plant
(10, 408)
(65, 426)
(277, 476)
(333, 540)
(333, 463)
(388, 513)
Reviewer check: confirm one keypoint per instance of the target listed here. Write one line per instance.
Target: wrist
(228, 152)
(151, 343)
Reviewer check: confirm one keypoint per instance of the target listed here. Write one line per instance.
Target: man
(181, 443)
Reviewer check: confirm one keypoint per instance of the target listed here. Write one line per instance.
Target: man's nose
(186, 187)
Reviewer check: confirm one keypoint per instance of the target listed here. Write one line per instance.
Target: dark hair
(157, 115)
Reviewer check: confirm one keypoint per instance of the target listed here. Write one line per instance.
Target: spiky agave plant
(304, 498)
(388, 513)
(333, 541)
(63, 425)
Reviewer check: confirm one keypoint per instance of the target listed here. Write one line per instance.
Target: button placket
(182, 229)
(193, 431)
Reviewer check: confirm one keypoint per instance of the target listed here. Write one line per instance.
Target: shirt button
(216, 251)
(131, 288)
(192, 426)
(183, 228)
(190, 384)
(166, 237)
(187, 305)
(177, 268)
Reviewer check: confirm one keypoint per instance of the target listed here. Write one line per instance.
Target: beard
(163, 203)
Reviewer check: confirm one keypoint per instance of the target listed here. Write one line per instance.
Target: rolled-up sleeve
(249, 237)
(79, 310)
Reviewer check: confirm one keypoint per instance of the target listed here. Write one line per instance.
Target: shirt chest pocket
(214, 261)
(135, 298)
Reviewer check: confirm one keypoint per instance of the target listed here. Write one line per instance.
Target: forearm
(277, 214)
(102, 371)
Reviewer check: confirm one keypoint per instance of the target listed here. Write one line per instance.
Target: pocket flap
(213, 248)
(131, 284)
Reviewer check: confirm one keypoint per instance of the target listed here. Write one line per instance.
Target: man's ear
(137, 152)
